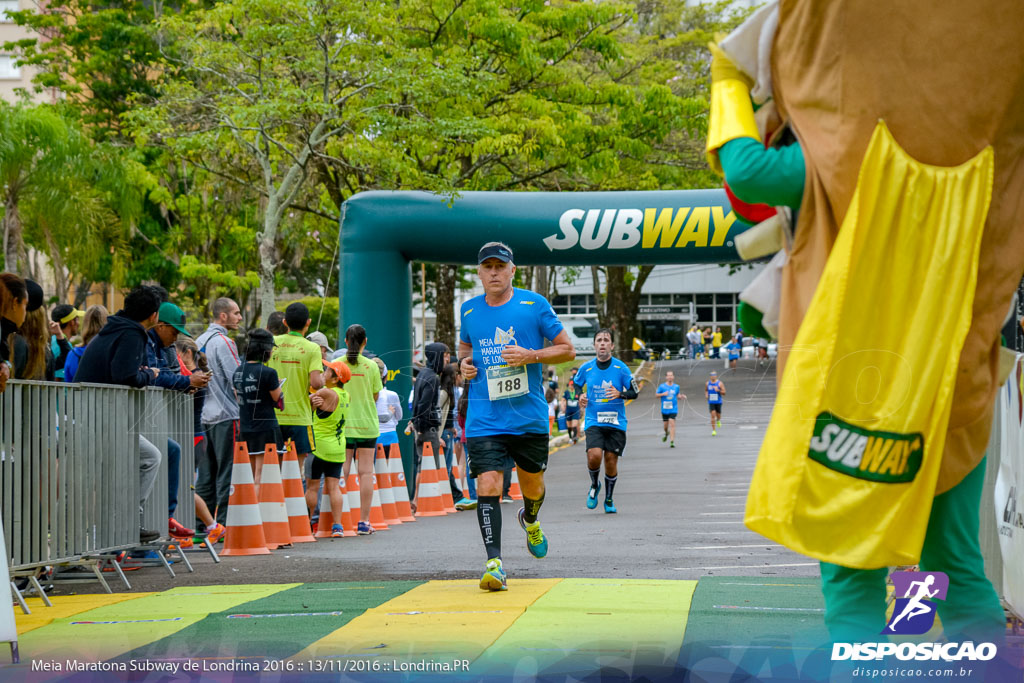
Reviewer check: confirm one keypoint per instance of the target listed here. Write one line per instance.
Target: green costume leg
(855, 598)
(971, 607)
(854, 602)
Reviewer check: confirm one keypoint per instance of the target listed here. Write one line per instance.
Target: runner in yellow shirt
(299, 367)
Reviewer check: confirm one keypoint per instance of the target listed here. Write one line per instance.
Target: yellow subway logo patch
(887, 457)
(651, 228)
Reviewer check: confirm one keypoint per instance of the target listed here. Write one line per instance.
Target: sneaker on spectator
(216, 533)
(148, 535)
(178, 530)
(185, 543)
(337, 531)
(364, 529)
(507, 499)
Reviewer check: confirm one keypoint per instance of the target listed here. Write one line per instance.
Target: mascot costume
(880, 149)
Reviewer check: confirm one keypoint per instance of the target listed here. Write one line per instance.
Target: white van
(581, 329)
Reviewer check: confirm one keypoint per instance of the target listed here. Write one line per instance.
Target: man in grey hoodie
(220, 410)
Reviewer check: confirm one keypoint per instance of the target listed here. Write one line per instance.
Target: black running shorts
(715, 408)
(608, 439)
(668, 416)
(325, 468)
(488, 453)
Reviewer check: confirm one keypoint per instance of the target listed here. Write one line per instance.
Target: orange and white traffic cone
(513, 489)
(429, 503)
(348, 520)
(447, 499)
(294, 499)
(245, 526)
(387, 496)
(377, 520)
(398, 486)
(272, 508)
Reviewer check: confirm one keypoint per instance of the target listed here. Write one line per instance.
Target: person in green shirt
(362, 427)
(299, 367)
(330, 409)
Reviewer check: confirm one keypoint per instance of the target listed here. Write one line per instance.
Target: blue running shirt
(601, 411)
(526, 320)
(670, 403)
(714, 395)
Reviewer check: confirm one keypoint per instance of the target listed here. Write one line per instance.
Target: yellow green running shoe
(494, 576)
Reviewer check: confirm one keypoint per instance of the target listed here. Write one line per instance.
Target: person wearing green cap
(170, 322)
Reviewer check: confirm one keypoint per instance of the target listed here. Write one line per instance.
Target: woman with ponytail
(13, 309)
(362, 426)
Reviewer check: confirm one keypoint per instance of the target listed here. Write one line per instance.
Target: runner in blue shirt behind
(714, 390)
(609, 383)
(501, 350)
(669, 394)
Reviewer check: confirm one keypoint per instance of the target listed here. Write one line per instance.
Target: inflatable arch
(382, 232)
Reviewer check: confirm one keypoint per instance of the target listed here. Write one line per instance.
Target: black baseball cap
(35, 295)
(498, 251)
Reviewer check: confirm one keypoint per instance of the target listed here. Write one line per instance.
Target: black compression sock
(609, 486)
(488, 514)
(594, 474)
(532, 508)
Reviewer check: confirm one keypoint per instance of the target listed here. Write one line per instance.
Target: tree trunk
(541, 276)
(268, 261)
(14, 247)
(599, 298)
(623, 302)
(59, 270)
(82, 288)
(444, 305)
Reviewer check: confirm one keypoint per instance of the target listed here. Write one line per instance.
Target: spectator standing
(693, 338)
(13, 309)
(361, 426)
(461, 409)
(66, 321)
(32, 357)
(716, 343)
(426, 416)
(170, 323)
(117, 356)
(299, 366)
(191, 360)
(94, 320)
(446, 410)
(259, 393)
(320, 339)
(220, 409)
(275, 323)
(389, 410)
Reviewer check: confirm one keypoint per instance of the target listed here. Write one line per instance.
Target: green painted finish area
(277, 625)
(585, 624)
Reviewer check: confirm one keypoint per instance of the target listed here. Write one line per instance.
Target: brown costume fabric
(948, 79)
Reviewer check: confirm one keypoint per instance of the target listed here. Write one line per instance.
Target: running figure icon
(915, 607)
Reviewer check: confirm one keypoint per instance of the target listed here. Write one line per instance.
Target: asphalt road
(680, 511)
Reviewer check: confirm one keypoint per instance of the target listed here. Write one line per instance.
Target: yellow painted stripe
(122, 627)
(581, 624)
(448, 620)
(65, 606)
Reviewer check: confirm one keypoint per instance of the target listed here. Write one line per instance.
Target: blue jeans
(173, 475)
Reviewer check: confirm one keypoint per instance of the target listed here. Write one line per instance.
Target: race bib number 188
(506, 382)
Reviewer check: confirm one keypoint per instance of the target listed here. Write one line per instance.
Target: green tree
(260, 87)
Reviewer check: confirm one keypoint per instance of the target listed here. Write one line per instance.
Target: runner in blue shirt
(609, 383)
(714, 391)
(735, 348)
(669, 394)
(572, 408)
(501, 350)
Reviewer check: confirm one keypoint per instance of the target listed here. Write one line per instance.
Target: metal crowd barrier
(69, 469)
